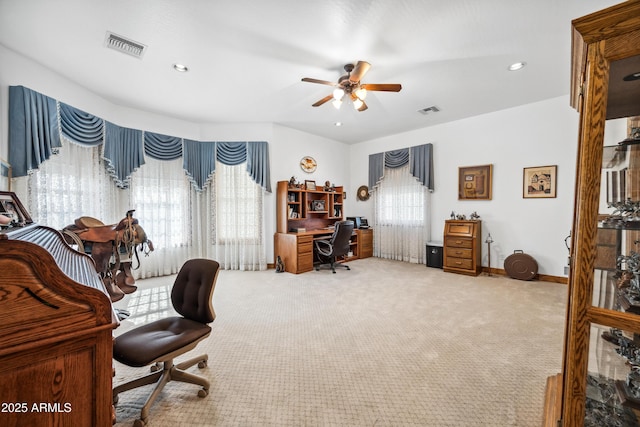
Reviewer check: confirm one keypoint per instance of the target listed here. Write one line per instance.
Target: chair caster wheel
(155, 367)
(202, 364)
(139, 423)
(203, 393)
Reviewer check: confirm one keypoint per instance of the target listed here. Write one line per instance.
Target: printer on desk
(358, 222)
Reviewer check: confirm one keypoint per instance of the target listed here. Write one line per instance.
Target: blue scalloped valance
(36, 123)
(81, 127)
(419, 158)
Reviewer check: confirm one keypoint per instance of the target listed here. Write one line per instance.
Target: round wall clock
(363, 193)
(308, 164)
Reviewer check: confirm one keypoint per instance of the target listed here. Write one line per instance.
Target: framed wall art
(310, 185)
(475, 182)
(539, 182)
(5, 176)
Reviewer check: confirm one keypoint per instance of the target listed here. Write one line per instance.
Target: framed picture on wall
(539, 182)
(5, 176)
(474, 182)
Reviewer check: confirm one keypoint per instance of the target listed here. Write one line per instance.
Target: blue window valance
(123, 152)
(81, 127)
(162, 147)
(33, 129)
(419, 158)
(200, 160)
(37, 123)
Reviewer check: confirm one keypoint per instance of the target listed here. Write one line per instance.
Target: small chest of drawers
(462, 248)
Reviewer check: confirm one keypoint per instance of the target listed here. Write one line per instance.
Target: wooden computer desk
(296, 249)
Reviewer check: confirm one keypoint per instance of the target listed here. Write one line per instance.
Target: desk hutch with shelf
(303, 215)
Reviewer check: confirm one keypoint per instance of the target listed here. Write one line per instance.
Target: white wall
(540, 134)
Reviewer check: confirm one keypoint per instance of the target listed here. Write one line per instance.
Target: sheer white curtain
(160, 194)
(401, 217)
(224, 222)
(237, 226)
(68, 186)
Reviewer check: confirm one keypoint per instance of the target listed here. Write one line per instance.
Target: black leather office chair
(328, 250)
(161, 341)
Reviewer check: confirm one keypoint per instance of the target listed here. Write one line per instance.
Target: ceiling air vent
(428, 110)
(124, 45)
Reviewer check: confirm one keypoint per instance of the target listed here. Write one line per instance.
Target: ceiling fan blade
(363, 106)
(359, 71)
(385, 87)
(323, 100)
(322, 82)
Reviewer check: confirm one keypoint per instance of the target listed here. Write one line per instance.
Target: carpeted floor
(385, 344)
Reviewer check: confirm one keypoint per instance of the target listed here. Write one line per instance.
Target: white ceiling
(247, 57)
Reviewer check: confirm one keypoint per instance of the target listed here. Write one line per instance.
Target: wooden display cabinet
(601, 363)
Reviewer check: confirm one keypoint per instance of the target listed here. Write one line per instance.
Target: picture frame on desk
(310, 185)
(10, 206)
(318, 205)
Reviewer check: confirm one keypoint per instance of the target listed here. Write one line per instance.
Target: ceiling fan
(349, 85)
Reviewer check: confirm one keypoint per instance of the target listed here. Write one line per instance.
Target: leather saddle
(105, 243)
(93, 230)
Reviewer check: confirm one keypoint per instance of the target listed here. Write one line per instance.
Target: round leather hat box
(521, 266)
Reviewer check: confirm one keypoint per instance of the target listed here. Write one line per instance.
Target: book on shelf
(298, 229)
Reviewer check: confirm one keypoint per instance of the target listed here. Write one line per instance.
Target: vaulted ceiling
(246, 58)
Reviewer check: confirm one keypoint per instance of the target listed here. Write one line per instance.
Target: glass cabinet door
(611, 380)
(600, 382)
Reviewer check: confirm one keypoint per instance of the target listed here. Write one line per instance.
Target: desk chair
(165, 339)
(335, 247)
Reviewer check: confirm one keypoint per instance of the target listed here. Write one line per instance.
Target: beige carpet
(385, 344)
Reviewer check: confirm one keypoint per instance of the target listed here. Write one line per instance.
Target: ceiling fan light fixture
(361, 93)
(337, 103)
(357, 103)
(338, 93)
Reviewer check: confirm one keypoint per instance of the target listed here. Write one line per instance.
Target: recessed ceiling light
(337, 124)
(180, 68)
(517, 66)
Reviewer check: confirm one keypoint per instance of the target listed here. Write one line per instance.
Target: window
(160, 194)
(238, 204)
(400, 217)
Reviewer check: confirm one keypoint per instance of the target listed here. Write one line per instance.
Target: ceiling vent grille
(428, 110)
(124, 45)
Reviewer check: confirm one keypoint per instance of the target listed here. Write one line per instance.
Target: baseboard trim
(542, 277)
(497, 271)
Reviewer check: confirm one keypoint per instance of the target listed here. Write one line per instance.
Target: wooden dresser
(462, 249)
